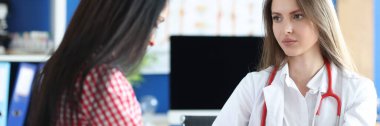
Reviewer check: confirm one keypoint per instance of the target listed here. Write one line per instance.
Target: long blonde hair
(322, 14)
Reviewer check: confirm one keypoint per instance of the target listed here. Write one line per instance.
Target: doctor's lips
(288, 41)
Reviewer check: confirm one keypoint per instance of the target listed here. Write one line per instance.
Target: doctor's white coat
(244, 107)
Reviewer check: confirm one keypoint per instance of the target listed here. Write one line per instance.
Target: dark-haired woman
(83, 83)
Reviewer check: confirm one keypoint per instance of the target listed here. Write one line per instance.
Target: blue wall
(28, 15)
(71, 7)
(158, 86)
(377, 45)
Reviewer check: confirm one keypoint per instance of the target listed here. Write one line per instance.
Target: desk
(156, 120)
(162, 120)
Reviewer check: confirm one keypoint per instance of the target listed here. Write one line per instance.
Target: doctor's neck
(302, 68)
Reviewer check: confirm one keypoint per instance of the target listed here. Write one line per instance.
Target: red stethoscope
(329, 93)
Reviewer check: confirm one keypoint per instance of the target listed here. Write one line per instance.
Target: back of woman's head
(322, 14)
(113, 32)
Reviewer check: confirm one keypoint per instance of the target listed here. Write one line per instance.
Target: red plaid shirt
(107, 100)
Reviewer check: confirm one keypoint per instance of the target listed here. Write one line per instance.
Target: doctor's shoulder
(354, 80)
(358, 88)
(256, 80)
(359, 98)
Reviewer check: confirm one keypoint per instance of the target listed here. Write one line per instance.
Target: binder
(5, 68)
(22, 90)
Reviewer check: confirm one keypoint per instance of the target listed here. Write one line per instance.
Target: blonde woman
(306, 76)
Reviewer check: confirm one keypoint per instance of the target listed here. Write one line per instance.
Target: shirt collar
(317, 83)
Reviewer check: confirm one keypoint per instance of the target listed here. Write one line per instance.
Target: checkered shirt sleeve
(107, 99)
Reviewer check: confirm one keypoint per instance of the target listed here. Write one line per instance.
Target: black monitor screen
(206, 69)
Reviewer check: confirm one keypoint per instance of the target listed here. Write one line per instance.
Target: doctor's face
(294, 32)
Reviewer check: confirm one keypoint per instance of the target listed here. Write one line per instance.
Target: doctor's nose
(288, 28)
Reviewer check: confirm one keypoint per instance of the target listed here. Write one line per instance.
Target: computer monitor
(206, 69)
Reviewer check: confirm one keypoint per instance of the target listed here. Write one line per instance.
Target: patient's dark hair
(113, 32)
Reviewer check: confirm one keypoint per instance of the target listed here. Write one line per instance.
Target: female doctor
(306, 76)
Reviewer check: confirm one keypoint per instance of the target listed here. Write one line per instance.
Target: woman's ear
(151, 43)
(152, 39)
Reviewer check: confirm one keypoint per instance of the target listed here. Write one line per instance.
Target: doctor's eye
(298, 16)
(276, 18)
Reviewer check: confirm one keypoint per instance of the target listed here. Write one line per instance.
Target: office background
(360, 22)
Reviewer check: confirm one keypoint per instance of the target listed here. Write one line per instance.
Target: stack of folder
(15, 113)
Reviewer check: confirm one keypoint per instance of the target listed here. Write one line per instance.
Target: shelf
(24, 58)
